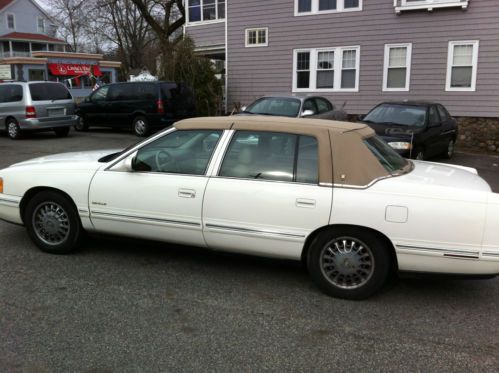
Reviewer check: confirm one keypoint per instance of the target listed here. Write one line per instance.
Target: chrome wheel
(140, 127)
(347, 262)
(51, 223)
(13, 130)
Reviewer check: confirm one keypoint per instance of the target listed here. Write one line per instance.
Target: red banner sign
(66, 69)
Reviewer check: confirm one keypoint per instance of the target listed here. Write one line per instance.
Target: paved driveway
(122, 305)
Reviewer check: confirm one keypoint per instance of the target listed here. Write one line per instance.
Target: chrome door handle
(187, 193)
(305, 203)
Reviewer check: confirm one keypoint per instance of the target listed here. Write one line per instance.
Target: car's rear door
(120, 104)
(449, 128)
(265, 197)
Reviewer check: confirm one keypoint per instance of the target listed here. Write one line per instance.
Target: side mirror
(127, 164)
(86, 99)
(243, 108)
(361, 117)
(307, 113)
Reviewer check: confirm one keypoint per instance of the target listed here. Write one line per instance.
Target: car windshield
(281, 106)
(388, 157)
(399, 114)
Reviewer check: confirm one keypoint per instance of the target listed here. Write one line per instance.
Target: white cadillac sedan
(328, 193)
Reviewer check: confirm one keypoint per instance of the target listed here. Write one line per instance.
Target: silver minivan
(36, 106)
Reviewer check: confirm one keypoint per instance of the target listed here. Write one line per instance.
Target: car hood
(427, 177)
(74, 161)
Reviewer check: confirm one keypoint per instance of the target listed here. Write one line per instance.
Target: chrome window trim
(165, 133)
(137, 147)
(218, 165)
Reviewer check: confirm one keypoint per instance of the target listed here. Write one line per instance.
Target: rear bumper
(48, 122)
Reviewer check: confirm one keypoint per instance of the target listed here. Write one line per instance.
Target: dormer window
(11, 21)
(41, 25)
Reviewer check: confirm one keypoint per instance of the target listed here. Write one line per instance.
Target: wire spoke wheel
(51, 223)
(347, 262)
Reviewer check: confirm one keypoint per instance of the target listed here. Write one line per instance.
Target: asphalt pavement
(121, 305)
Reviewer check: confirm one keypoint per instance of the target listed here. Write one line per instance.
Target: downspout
(226, 99)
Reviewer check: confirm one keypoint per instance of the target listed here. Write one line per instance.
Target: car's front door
(162, 197)
(265, 198)
(95, 109)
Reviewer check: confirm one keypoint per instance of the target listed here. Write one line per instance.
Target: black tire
(449, 152)
(140, 126)
(61, 132)
(82, 124)
(13, 130)
(345, 270)
(53, 223)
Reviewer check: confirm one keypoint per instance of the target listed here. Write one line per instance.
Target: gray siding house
(360, 52)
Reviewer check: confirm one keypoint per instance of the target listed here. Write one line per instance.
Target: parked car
(415, 129)
(295, 107)
(331, 194)
(142, 106)
(36, 106)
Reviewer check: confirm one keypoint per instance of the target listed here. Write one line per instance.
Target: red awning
(67, 69)
(97, 71)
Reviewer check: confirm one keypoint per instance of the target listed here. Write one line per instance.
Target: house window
(205, 10)
(462, 62)
(397, 67)
(41, 25)
(329, 70)
(325, 69)
(257, 37)
(11, 21)
(306, 7)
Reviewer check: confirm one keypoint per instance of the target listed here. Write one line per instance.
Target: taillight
(160, 107)
(30, 112)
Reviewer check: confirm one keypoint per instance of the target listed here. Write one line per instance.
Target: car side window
(323, 106)
(270, 156)
(11, 93)
(307, 165)
(120, 92)
(309, 104)
(100, 94)
(145, 91)
(444, 115)
(180, 152)
(434, 117)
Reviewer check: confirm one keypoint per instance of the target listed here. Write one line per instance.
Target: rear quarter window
(49, 92)
(11, 93)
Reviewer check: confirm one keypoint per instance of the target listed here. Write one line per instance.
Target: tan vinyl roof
(275, 123)
(354, 164)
